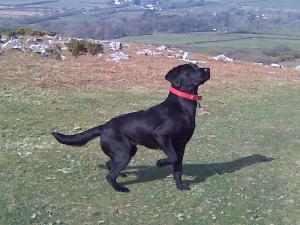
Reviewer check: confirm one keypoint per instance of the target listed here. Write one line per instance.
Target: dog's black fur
(167, 126)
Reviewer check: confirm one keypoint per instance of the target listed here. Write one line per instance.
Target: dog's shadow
(199, 172)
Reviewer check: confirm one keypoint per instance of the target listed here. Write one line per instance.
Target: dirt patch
(90, 72)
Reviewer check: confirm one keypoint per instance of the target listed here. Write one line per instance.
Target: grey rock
(41, 49)
(13, 43)
(115, 45)
(119, 56)
(223, 58)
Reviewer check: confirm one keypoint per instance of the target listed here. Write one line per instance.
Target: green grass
(285, 31)
(43, 182)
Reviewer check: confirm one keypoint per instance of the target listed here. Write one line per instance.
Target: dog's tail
(79, 139)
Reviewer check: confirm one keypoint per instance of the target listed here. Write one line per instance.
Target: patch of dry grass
(90, 72)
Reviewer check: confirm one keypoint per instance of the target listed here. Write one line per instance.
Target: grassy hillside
(241, 164)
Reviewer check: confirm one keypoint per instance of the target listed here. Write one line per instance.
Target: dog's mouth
(203, 76)
(203, 79)
(207, 74)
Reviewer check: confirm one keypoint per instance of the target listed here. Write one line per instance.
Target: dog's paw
(183, 187)
(162, 162)
(123, 175)
(122, 189)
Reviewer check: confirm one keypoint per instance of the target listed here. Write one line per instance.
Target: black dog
(167, 126)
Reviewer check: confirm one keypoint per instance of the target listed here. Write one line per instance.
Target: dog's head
(188, 77)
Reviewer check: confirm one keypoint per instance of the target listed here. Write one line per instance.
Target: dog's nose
(207, 70)
(207, 73)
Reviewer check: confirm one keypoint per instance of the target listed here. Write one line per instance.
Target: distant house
(150, 6)
(83, 11)
(121, 2)
(153, 5)
(117, 2)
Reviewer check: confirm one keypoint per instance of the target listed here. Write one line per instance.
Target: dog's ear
(173, 77)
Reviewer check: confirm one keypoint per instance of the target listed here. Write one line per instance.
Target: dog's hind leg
(120, 151)
(109, 165)
(119, 163)
(163, 162)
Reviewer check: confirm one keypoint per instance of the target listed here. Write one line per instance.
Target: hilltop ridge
(145, 66)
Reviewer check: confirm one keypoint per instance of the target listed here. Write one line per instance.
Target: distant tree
(136, 2)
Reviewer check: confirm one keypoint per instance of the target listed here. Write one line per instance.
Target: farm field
(241, 164)
(287, 4)
(96, 17)
(56, 4)
(285, 31)
(208, 6)
(15, 2)
(247, 47)
(16, 13)
(207, 39)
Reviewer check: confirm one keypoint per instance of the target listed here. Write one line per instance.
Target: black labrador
(167, 126)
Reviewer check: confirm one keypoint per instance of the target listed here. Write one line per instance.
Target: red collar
(184, 94)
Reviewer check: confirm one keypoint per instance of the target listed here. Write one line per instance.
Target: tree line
(152, 22)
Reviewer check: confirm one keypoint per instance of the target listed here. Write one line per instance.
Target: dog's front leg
(175, 157)
(168, 148)
(177, 170)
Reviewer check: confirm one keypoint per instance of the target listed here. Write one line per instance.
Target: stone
(223, 58)
(13, 43)
(146, 51)
(162, 48)
(186, 57)
(275, 65)
(115, 45)
(119, 56)
(41, 49)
